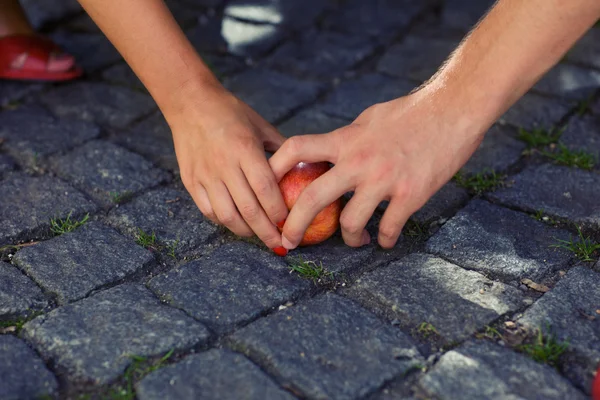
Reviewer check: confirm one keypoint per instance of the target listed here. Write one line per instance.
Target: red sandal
(26, 57)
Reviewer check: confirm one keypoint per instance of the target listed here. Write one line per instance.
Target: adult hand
(220, 144)
(402, 151)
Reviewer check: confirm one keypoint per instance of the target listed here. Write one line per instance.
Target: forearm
(146, 34)
(517, 42)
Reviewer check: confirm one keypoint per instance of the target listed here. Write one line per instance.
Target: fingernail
(366, 238)
(286, 243)
(281, 223)
(280, 251)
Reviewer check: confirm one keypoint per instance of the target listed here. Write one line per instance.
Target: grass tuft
(172, 249)
(59, 226)
(309, 269)
(426, 330)
(538, 137)
(119, 198)
(145, 240)
(546, 348)
(18, 323)
(572, 158)
(484, 181)
(583, 248)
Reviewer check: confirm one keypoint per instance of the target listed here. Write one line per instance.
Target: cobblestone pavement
(489, 293)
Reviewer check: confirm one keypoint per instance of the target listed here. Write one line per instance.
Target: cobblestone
(500, 242)
(290, 14)
(443, 204)
(11, 91)
(170, 214)
(583, 134)
(219, 374)
(18, 294)
(24, 375)
(6, 164)
(237, 282)
(92, 51)
(328, 347)
(535, 111)
(587, 50)
(311, 121)
(463, 14)
(28, 203)
(106, 171)
(424, 289)
(94, 338)
(72, 265)
(563, 192)
(570, 82)
(499, 150)
(482, 370)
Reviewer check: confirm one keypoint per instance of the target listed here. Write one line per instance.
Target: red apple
(293, 183)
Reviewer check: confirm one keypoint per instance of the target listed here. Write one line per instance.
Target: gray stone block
(95, 338)
(311, 121)
(587, 49)
(31, 132)
(6, 164)
(289, 14)
(416, 57)
(122, 74)
(499, 150)
(111, 106)
(24, 375)
(215, 374)
(422, 288)
(74, 264)
(93, 51)
(500, 242)
(18, 294)
(233, 285)
(171, 214)
(583, 134)
(328, 347)
(262, 90)
(535, 111)
(463, 14)
(12, 91)
(482, 370)
(442, 204)
(352, 97)
(40, 13)
(104, 171)
(28, 203)
(320, 55)
(569, 81)
(563, 192)
(563, 308)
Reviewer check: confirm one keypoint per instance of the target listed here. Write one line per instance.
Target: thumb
(305, 148)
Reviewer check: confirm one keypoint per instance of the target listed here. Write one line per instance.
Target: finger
(200, 197)
(315, 197)
(272, 139)
(306, 148)
(392, 222)
(252, 212)
(265, 187)
(356, 215)
(225, 210)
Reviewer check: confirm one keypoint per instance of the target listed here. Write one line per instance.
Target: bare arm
(219, 140)
(406, 149)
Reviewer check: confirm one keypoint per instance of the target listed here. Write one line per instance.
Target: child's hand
(220, 144)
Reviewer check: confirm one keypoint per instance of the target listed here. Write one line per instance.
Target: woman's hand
(402, 151)
(220, 144)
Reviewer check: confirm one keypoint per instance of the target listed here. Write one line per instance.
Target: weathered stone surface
(40, 13)
(151, 138)
(499, 150)
(28, 203)
(111, 106)
(75, 263)
(262, 90)
(564, 309)
(563, 192)
(583, 133)
(328, 347)
(24, 375)
(233, 285)
(423, 288)
(463, 14)
(171, 214)
(104, 171)
(216, 374)
(6, 164)
(500, 242)
(378, 18)
(536, 111)
(93, 51)
(416, 57)
(311, 121)
(442, 204)
(482, 370)
(249, 39)
(353, 97)
(31, 131)
(290, 14)
(587, 49)
(321, 55)
(18, 294)
(569, 81)
(12, 91)
(122, 74)
(95, 338)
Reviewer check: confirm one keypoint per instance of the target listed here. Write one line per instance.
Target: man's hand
(399, 151)
(220, 144)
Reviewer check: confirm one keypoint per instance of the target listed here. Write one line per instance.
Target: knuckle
(250, 212)
(309, 198)
(227, 218)
(349, 225)
(294, 144)
(265, 187)
(388, 232)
